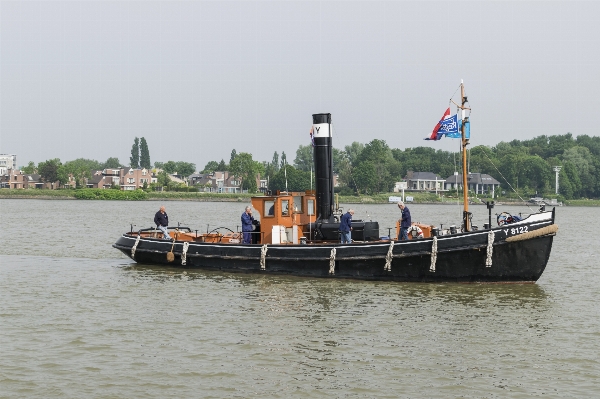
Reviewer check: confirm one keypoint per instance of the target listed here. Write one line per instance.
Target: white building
(7, 161)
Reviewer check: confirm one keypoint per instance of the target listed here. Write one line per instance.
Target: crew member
(247, 223)
(162, 221)
(346, 226)
(405, 221)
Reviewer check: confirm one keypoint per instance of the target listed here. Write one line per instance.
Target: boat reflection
(331, 292)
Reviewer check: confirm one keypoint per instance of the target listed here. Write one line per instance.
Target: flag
(434, 134)
(458, 134)
(450, 126)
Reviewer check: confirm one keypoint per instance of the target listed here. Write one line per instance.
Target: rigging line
(484, 153)
(454, 94)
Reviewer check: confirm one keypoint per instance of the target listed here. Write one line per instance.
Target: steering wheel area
(218, 231)
(504, 218)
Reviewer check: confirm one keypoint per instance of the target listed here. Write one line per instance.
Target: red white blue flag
(436, 129)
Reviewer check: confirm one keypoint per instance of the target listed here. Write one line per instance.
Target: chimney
(323, 158)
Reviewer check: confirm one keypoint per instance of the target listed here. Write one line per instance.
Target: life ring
(415, 231)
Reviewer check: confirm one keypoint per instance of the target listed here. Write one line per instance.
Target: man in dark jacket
(247, 222)
(162, 221)
(346, 226)
(405, 221)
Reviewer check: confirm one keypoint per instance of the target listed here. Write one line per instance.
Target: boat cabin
(285, 216)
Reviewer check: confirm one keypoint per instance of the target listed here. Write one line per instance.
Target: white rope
(184, 253)
(263, 255)
(490, 249)
(433, 255)
(137, 240)
(332, 261)
(389, 257)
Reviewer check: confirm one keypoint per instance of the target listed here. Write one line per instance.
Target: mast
(465, 143)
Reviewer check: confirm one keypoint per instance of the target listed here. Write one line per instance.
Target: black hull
(458, 258)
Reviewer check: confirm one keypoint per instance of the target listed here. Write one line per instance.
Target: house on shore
(479, 183)
(423, 181)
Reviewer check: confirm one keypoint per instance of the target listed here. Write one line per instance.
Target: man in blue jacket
(346, 226)
(162, 221)
(405, 221)
(247, 220)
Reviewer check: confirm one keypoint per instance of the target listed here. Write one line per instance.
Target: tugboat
(298, 234)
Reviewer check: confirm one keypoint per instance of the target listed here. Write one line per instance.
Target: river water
(78, 319)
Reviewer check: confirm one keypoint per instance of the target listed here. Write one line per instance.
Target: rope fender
(490, 249)
(552, 229)
(263, 255)
(332, 262)
(434, 248)
(184, 253)
(137, 240)
(389, 257)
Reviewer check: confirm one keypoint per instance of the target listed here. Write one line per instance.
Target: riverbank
(139, 195)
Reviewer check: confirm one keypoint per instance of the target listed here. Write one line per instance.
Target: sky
(82, 79)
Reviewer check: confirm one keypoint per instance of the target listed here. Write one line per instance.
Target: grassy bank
(33, 193)
(209, 197)
(583, 202)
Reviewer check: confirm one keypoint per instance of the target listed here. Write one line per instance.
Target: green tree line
(524, 166)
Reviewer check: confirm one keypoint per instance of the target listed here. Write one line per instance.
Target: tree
(275, 161)
(81, 169)
(29, 169)
(345, 172)
(245, 168)
(353, 151)
(268, 171)
(51, 171)
(181, 168)
(163, 179)
(233, 155)
(338, 156)
(222, 166)
(363, 176)
(304, 158)
(297, 180)
(144, 154)
(583, 161)
(210, 167)
(283, 159)
(134, 160)
(170, 167)
(537, 174)
(378, 160)
(112, 163)
(569, 174)
(185, 168)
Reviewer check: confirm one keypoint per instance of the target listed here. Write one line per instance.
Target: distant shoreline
(214, 197)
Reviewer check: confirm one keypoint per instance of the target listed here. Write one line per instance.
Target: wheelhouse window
(285, 204)
(310, 205)
(269, 208)
(298, 204)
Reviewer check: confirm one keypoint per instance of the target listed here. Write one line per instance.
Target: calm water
(77, 319)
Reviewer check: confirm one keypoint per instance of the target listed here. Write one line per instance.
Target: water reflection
(327, 291)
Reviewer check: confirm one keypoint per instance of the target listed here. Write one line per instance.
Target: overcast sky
(196, 79)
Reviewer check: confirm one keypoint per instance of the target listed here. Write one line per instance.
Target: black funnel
(323, 156)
